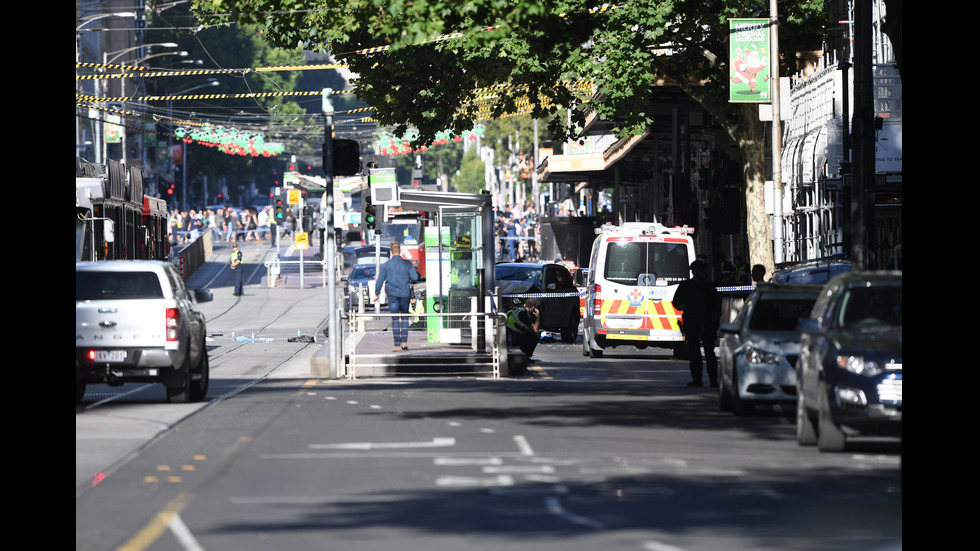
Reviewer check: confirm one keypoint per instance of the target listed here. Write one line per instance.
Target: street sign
(293, 197)
(302, 241)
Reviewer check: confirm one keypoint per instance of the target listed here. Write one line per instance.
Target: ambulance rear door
(640, 274)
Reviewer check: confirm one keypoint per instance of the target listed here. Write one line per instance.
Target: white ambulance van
(634, 271)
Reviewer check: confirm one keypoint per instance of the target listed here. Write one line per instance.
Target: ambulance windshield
(627, 261)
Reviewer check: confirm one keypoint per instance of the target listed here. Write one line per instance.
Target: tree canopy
(436, 64)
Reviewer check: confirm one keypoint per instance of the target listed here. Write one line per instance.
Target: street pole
(535, 186)
(183, 173)
(777, 135)
(863, 138)
(335, 339)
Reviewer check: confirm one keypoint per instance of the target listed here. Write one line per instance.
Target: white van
(634, 271)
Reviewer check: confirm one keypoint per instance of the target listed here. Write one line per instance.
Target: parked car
(368, 254)
(551, 284)
(361, 280)
(849, 374)
(818, 271)
(757, 352)
(136, 322)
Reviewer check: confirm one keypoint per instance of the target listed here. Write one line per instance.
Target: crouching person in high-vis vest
(523, 327)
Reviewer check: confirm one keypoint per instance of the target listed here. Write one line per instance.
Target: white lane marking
(523, 446)
(520, 469)
(467, 461)
(435, 443)
(502, 480)
(657, 546)
(183, 534)
(555, 508)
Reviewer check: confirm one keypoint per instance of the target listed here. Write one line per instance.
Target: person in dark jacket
(701, 305)
(398, 274)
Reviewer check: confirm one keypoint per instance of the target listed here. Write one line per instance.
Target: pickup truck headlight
(858, 365)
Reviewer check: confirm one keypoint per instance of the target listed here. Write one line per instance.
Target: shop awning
(579, 168)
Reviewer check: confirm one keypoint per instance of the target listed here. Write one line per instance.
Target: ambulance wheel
(589, 351)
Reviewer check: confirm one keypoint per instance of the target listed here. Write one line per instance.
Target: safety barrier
(369, 342)
(284, 273)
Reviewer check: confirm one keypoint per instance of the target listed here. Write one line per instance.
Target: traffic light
(418, 172)
(280, 216)
(370, 214)
(346, 157)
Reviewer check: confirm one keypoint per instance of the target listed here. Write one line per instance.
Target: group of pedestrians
(517, 234)
(229, 224)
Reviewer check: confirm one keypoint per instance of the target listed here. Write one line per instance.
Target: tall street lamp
(89, 18)
(83, 21)
(183, 155)
(122, 83)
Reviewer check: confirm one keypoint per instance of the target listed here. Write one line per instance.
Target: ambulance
(634, 271)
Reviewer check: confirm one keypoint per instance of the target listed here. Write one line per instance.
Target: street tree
(435, 64)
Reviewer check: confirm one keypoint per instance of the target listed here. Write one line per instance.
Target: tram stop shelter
(459, 266)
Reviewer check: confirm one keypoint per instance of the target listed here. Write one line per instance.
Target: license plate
(623, 323)
(110, 355)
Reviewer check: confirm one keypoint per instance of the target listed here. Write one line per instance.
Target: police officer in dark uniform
(701, 304)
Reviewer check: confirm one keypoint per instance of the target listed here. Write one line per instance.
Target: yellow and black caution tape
(148, 72)
(151, 72)
(253, 95)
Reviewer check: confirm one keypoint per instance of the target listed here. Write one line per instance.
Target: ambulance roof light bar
(643, 227)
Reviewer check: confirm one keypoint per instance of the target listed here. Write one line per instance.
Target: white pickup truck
(135, 321)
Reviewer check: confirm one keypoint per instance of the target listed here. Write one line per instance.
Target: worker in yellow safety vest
(416, 308)
(236, 266)
(523, 326)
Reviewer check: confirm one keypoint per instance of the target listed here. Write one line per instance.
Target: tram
(114, 220)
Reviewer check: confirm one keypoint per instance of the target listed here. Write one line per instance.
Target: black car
(849, 373)
(551, 284)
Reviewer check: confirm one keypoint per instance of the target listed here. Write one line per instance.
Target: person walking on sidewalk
(236, 266)
(701, 304)
(398, 274)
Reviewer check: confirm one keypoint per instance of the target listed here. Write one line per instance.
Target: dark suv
(849, 374)
(551, 284)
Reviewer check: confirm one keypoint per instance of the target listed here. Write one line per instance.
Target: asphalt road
(579, 454)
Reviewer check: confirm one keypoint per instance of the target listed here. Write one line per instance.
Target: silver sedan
(758, 351)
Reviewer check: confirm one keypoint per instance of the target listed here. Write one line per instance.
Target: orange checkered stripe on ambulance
(657, 314)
